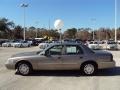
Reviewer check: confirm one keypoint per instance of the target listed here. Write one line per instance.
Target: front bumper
(105, 65)
(10, 65)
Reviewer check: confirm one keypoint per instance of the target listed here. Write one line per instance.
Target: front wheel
(88, 69)
(29, 45)
(24, 69)
(21, 45)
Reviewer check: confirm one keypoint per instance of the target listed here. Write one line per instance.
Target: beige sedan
(61, 56)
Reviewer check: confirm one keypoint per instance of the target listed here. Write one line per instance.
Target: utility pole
(115, 20)
(36, 28)
(93, 22)
(24, 6)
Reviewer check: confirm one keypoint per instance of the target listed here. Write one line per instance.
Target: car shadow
(76, 73)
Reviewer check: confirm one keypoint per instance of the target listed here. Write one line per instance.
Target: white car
(43, 45)
(111, 45)
(6, 44)
(22, 44)
(102, 44)
(118, 44)
(94, 45)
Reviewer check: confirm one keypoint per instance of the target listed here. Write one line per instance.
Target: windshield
(111, 42)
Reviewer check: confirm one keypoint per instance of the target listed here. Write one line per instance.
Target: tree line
(8, 30)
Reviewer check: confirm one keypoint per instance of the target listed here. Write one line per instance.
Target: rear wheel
(21, 45)
(29, 45)
(24, 68)
(89, 68)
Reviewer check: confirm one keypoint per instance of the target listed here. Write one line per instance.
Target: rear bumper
(104, 65)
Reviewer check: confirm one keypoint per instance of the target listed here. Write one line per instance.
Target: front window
(56, 50)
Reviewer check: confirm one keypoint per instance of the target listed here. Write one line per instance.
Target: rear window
(73, 49)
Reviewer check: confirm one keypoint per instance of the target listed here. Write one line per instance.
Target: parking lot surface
(57, 80)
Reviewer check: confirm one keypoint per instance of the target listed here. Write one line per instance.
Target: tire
(24, 68)
(89, 68)
(21, 45)
(28, 45)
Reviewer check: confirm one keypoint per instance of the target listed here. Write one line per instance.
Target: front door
(53, 59)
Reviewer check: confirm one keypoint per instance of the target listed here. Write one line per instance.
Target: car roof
(85, 48)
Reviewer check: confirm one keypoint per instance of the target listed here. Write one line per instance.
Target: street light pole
(115, 20)
(36, 28)
(93, 20)
(60, 35)
(24, 6)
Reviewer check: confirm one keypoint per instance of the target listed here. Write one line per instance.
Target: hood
(26, 54)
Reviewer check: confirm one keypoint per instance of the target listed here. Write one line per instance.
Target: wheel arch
(90, 61)
(23, 61)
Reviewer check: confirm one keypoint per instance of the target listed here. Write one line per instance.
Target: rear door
(73, 57)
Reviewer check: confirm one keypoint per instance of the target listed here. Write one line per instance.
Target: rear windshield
(87, 49)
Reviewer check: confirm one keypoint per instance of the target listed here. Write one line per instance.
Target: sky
(74, 13)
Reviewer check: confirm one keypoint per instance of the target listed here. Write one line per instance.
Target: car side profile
(61, 56)
(112, 45)
(21, 44)
(94, 45)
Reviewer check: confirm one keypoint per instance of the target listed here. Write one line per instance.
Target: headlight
(10, 61)
(108, 46)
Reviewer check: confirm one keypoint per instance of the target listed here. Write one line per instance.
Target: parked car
(8, 43)
(94, 45)
(1, 42)
(72, 41)
(36, 42)
(111, 45)
(118, 45)
(55, 41)
(43, 45)
(61, 56)
(21, 44)
(102, 44)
